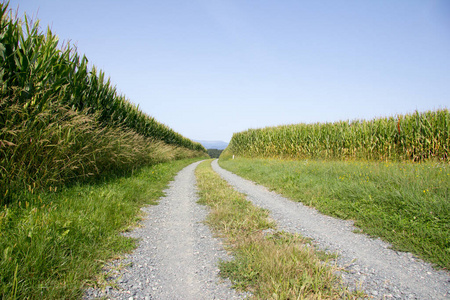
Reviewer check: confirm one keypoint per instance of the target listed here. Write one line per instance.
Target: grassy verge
(269, 264)
(404, 203)
(53, 244)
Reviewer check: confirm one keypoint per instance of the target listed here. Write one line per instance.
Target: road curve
(368, 263)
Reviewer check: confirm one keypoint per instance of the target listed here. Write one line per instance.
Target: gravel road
(177, 255)
(368, 263)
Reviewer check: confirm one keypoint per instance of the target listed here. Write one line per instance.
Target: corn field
(413, 137)
(61, 120)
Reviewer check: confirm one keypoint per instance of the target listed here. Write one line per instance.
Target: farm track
(367, 263)
(177, 255)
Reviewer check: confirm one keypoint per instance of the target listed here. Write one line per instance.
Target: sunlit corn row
(33, 62)
(415, 137)
(61, 122)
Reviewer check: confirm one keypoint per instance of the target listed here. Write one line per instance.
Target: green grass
(407, 204)
(53, 244)
(269, 264)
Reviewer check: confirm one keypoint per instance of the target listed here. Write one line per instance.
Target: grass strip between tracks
(53, 245)
(268, 263)
(407, 204)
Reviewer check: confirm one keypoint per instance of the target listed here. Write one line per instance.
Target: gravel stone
(177, 255)
(367, 263)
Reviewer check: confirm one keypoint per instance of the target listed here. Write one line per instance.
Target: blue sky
(208, 68)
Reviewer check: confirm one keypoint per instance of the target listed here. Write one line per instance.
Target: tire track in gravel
(177, 255)
(368, 263)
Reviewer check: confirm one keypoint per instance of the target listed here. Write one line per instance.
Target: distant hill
(220, 145)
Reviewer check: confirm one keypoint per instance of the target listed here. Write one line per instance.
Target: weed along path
(367, 263)
(177, 256)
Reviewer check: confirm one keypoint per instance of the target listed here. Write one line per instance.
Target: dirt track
(177, 255)
(369, 263)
